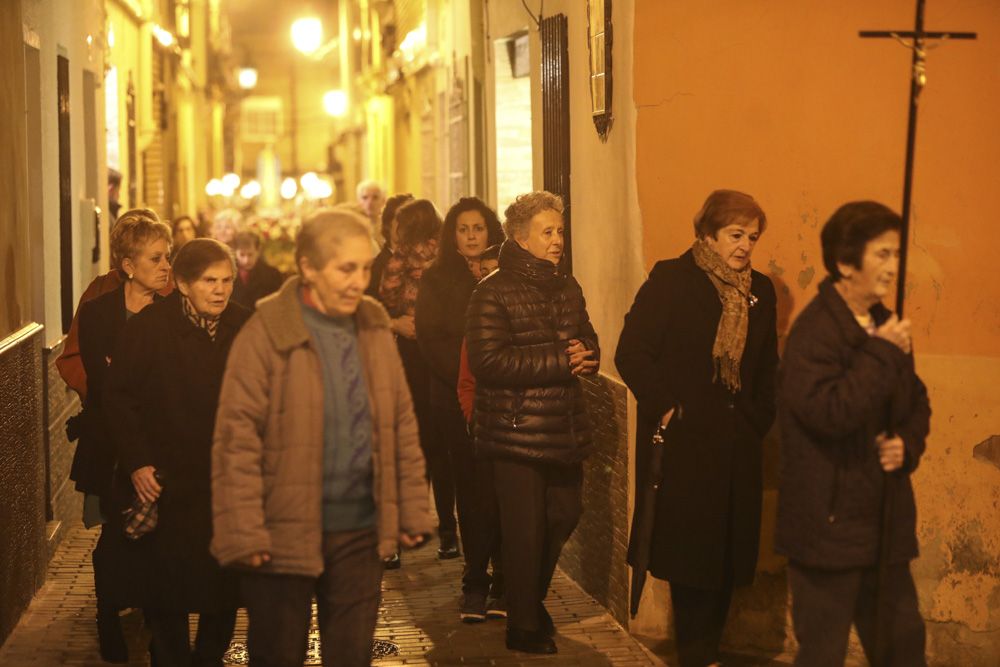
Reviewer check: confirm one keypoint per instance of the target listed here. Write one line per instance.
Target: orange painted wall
(783, 100)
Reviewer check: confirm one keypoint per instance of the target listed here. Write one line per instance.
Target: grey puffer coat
(519, 323)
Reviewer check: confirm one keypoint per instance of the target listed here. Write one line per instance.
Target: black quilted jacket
(528, 403)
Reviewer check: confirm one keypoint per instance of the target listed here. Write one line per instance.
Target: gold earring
(130, 276)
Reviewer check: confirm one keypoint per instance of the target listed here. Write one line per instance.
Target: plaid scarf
(209, 324)
(734, 293)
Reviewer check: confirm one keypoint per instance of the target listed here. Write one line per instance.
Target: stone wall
(64, 505)
(23, 557)
(595, 555)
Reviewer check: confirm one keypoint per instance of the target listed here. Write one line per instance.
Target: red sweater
(466, 384)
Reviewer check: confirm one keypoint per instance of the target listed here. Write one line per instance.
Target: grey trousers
(347, 599)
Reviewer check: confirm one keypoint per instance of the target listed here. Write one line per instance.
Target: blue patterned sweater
(348, 499)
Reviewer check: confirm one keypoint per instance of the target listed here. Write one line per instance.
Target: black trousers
(826, 602)
(699, 618)
(171, 646)
(478, 509)
(435, 449)
(347, 598)
(540, 505)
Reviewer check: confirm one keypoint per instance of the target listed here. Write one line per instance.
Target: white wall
(62, 27)
(607, 227)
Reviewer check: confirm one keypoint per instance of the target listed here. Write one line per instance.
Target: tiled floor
(419, 613)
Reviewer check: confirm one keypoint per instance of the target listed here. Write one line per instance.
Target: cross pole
(918, 77)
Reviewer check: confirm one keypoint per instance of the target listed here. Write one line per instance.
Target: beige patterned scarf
(209, 324)
(734, 292)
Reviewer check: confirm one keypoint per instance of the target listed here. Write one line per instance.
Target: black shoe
(547, 626)
(496, 606)
(473, 608)
(530, 641)
(393, 562)
(110, 637)
(448, 548)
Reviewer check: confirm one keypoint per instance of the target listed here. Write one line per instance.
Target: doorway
(512, 94)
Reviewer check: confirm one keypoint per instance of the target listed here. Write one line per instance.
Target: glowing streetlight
(163, 36)
(308, 179)
(335, 103)
(307, 34)
(247, 78)
(250, 190)
(289, 188)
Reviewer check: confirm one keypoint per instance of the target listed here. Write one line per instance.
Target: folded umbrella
(643, 533)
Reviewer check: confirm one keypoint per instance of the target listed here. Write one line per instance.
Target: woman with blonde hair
(140, 248)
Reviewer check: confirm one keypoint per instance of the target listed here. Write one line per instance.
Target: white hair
(367, 185)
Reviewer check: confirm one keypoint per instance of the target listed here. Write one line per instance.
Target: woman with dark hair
(184, 230)
(160, 401)
(699, 352)
(445, 288)
(140, 246)
(390, 234)
(418, 227)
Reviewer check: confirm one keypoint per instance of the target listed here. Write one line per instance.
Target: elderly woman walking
(140, 244)
(529, 338)
(418, 229)
(699, 352)
(161, 398)
(316, 468)
(445, 288)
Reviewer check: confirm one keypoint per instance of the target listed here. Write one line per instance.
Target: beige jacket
(267, 454)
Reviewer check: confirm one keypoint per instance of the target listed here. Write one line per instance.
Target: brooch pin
(752, 300)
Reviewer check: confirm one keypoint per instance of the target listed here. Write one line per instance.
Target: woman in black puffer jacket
(442, 298)
(529, 337)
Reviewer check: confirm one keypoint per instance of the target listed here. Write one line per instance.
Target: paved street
(419, 614)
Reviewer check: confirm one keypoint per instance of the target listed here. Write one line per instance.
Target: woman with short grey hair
(317, 470)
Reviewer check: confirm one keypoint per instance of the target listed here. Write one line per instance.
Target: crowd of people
(253, 439)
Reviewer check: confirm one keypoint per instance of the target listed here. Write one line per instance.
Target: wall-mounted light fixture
(247, 78)
(307, 34)
(335, 103)
(599, 39)
(163, 36)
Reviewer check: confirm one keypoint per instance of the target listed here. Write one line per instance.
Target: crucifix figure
(918, 77)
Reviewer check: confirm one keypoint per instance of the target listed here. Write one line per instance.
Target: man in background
(371, 197)
(255, 278)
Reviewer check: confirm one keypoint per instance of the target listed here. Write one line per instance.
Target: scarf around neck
(734, 293)
(209, 324)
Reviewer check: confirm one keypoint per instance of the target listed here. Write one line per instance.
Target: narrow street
(419, 615)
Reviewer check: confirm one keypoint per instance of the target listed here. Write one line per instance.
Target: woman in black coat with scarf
(699, 352)
(470, 227)
(161, 398)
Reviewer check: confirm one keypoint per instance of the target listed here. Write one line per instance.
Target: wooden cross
(918, 77)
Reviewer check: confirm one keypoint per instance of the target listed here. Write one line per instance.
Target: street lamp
(307, 34)
(289, 188)
(247, 78)
(335, 103)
